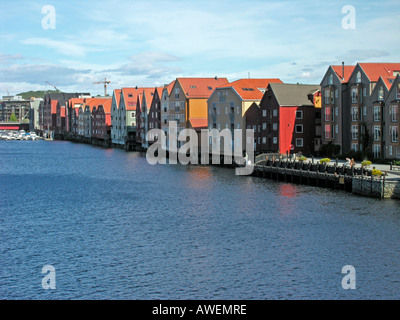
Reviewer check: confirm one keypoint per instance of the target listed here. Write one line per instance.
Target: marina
(20, 135)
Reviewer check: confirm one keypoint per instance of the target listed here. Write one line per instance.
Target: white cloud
(62, 47)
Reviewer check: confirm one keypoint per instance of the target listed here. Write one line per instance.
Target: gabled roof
(107, 106)
(117, 95)
(293, 94)
(148, 94)
(130, 96)
(348, 70)
(375, 70)
(200, 87)
(250, 89)
(199, 122)
(169, 87)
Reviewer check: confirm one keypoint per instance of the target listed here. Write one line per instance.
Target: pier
(358, 180)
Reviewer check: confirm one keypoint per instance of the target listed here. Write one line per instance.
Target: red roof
(200, 87)
(375, 70)
(148, 93)
(107, 106)
(117, 94)
(199, 122)
(130, 97)
(54, 106)
(348, 70)
(250, 89)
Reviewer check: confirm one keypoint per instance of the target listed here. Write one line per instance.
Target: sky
(71, 44)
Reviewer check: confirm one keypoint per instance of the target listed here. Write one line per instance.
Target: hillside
(36, 94)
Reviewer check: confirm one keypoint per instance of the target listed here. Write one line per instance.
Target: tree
(13, 118)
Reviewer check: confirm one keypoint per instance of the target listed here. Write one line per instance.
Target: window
(377, 150)
(336, 111)
(380, 94)
(354, 132)
(328, 114)
(358, 77)
(395, 134)
(222, 96)
(330, 80)
(299, 114)
(336, 128)
(327, 131)
(398, 92)
(274, 140)
(264, 126)
(274, 126)
(327, 96)
(365, 92)
(264, 113)
(390, 150)
(264, 140)
(394, 113)
(354, 114)
(354, 95)
(377, 113)
(299, 142)
(176, 93)
(364, 110)
(237, 110)
(275, 112)
(377, 133)
(354, 147)
(336, 94)
(299, 128)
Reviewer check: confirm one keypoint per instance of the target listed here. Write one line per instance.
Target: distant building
(34, 114)
(14, 107)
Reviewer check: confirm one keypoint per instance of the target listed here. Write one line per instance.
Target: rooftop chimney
(342, 70)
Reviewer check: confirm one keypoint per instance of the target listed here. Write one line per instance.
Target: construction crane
(53, 86)
(105, 81)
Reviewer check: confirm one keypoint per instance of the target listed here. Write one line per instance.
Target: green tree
(13, 118)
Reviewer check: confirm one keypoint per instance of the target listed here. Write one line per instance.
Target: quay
(358, 180)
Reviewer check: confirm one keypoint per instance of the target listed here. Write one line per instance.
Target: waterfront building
(34, 114)
(334, 106)
(115, 120)
(288, 118)
(392, 121)
(165, 117)
(357, 111)
(49, 117)
(101, 120)
(228, 104)
(60, 117)
(154, 114)
(143, 104)
(14, 106)
(124, 123)
(188, 103)
(253, 121)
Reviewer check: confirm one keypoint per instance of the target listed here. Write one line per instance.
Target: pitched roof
(199, 122)
(169, 86)
(348, 70)
(117, 95)
(200, 87)
(375, 70)
(107, 106)
(250, 89)
(293, 94)
(148, 94)
(130, 97)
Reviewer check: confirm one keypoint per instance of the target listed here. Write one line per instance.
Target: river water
(115, 227)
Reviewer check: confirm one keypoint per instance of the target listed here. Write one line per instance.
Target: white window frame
(299, 142)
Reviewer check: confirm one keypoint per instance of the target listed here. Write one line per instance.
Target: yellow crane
(106, 82)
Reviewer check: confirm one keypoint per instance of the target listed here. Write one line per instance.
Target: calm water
(115, 227)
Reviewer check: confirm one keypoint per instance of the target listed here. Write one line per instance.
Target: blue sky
(150, 43)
